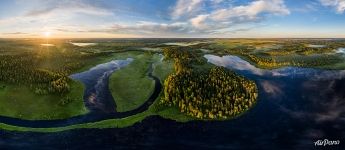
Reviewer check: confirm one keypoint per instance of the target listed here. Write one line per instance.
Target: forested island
(210, 93)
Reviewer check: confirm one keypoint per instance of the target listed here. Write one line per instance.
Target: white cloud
(55, 11)
(199, 21)
(188, 17)
(69, 7)
(251, 11)
(186, 7)
(272, 88)
(217, 1)
(339, 5)
(149, 29)
(227, 17)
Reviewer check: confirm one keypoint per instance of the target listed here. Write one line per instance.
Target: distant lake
(183, 43)
(205, 50)
(151, 49)
(340, 50)
(316, 46)
(47, 44)
(241, 66)
(83, 44)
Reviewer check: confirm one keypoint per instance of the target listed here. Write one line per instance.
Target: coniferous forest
(211, 93)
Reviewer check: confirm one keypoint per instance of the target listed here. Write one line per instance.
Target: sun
(47, 34)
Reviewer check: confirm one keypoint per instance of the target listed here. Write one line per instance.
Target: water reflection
(291, 113)
(184, 43)
(83, 44)
(312, 101)
(316, 46)
(97, 95)
(239, 64)
(340, 51)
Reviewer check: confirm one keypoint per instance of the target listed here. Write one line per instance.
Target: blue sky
(173, 18)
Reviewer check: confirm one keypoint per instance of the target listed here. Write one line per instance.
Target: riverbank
(130, 86)
(17, 102)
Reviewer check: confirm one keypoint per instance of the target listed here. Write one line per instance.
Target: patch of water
(316, 46)
(48, 45)
(184, 43)
(239, 64)
(151, 49)
(83, 44)
(97, 95)
(340, 51)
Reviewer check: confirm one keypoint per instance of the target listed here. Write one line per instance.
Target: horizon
(205, 19)
(250, 38)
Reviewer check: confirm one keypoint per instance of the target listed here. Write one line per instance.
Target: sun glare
(47, 34)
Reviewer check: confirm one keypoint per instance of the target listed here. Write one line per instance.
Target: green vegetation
(34, 82)
(20, 102)
(155, 109)
(162, 69)
(215, 93)
(34, 79)
(275, 53)
(131, 86)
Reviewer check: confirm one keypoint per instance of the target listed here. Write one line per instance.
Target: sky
(172, 18)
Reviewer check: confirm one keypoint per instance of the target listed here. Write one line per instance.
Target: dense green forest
(210, 93)
(44, 70)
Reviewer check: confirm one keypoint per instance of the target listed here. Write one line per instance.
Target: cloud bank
(338, 5)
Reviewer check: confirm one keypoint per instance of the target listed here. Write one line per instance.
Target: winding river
(296, 107)
(97, 98)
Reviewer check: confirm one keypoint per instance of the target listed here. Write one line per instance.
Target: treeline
(215, 93)
(298, 61)
(299, 53)
(44, 71)
(21, 70)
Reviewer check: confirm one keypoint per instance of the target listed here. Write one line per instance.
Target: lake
(183, 43)
(315, 46)
(340, 50)
(83, 44)
(48, 45)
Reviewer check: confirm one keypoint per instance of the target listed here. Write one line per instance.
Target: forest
(275, 53)
(210, 93)
(43, 70)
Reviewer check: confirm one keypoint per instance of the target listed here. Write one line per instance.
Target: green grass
(130, 86)
(20, 102)
(155, 109)
(161, 70)
(337, 66)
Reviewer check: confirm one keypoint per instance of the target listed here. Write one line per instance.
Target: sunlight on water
(47, 45)
(184, 43)
(316, 46)
(84, 44)
(340, 50)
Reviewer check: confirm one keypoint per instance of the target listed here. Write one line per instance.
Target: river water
(97, 95)
(295, 108)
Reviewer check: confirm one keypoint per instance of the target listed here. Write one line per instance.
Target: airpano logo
(326, 142)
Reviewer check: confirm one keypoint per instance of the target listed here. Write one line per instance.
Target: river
(295, 108)
(97, 98)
